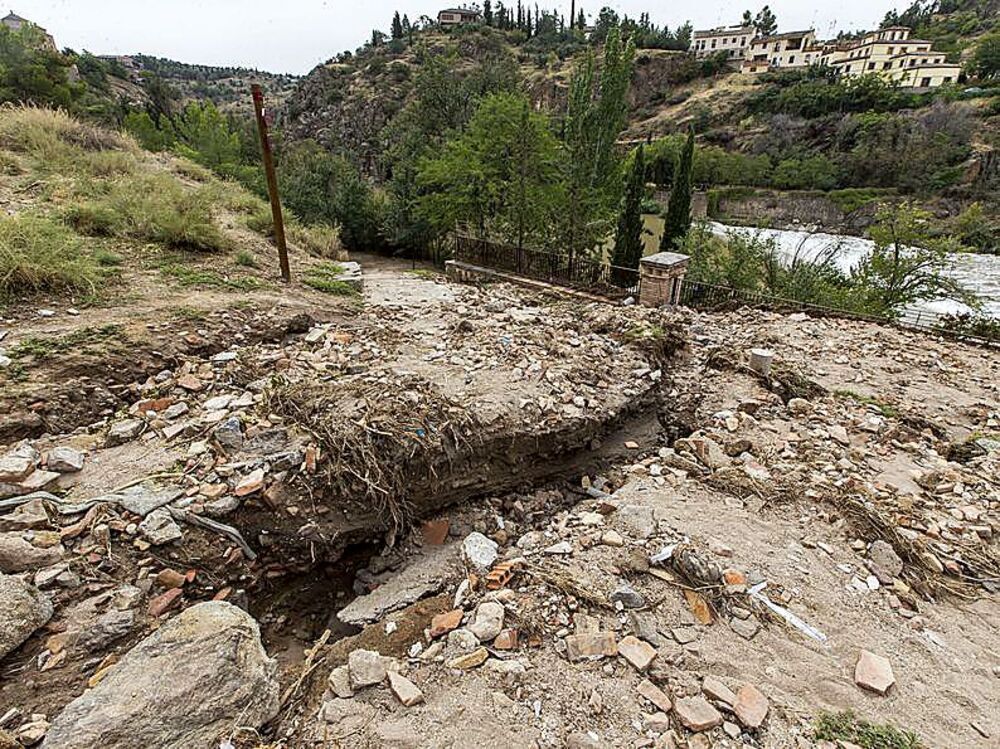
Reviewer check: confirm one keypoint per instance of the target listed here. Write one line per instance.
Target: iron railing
(706, 296)
(582, 274)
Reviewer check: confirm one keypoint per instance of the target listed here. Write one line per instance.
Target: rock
(697, 714)
(629, 597)
(229, 434)
(185, 685)
(885, 562)
(656, 723)
(644, 627)
(506, 640)
(169, 579)
(15, 468)
(38, 480)
(708, 451)
(874, 672)
(590, 645)
(422, 577)
(65, 460)
(141, 499)
(32, 514)
(163, 602)
(366, 667)
(351, 718)
(23, 609)
(190, 383)
(581, 740)
(479, 552)
(561, 548)
(469, 660)
(159, 528)
(488, 621)
(655, 695)
(405, 690)
(442, 624)
(124, 431)
(340, 682)
(751, 706)
(636, 520)
(19, 555)
(252, 482)
(640, 654)
(612, 538)
(745, 628)
(714, 689)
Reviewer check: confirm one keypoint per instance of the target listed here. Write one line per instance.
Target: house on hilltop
(733, 40)
(892, 53)
(791, 49)
(457, 16)
(15, 22)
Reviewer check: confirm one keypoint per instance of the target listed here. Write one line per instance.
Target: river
(978, 273)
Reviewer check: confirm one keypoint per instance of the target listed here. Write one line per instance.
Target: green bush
(38, 255)
(324, 277)
(153, 208)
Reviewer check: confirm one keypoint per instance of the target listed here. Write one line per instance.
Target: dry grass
(38, 255)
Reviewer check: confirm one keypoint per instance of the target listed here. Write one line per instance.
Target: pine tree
(678, 215)
(581, 20)
(628, 238)
(397, 26)
(488, 12)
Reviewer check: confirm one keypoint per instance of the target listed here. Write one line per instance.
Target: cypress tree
(397, 26)
(628, 238)
(678, 215)
(487, 12)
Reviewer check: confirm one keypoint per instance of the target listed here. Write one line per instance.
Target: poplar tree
(488, 12)
(678, 215)
(397, 26)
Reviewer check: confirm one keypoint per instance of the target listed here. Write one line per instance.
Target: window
(886, 65)
(871, 66)
(912, 63)
(891, 49)
(902, 50)
(947, 79)
(925, 82)
(713, 44)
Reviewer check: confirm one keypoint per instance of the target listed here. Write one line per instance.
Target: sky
(292, 36)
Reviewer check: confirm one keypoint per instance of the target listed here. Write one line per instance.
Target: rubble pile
(776, 545)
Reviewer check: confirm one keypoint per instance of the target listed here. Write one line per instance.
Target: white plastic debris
(806, 629)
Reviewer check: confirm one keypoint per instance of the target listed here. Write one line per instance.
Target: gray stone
(424, 576)
(630, 598)
(884, 561)
(340, 682)
(19, 555)
(636, 520)
(462, 640)
(222, 506)
(124, 431)
(65, 460)
(405, 690)
(109, 627)
(186, 685)
(479, 552)
(229, 434)
(141, 499)
(697, 714)
(15, 468)
(644, 627)
(32, 514)
(159, 528)
(745, 628)
(23, 609)
(488, 622)
(366, 668)
(177, 409)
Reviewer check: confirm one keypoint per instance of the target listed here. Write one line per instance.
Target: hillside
(226, 87)
(796, 130)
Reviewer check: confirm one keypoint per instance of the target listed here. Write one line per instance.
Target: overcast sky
(294, 35)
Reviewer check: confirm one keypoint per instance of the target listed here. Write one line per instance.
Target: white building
(892, 53)
(793, 49)
(733, 40)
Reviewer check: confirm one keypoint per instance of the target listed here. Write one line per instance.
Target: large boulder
(186, 685)
(23, 609)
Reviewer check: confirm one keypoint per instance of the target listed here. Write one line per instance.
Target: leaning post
(272, 182)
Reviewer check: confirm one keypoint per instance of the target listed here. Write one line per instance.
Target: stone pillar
(660, 278)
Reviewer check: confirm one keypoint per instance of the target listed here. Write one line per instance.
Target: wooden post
(272, 183)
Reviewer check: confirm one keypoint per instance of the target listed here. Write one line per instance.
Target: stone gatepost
(660, 278)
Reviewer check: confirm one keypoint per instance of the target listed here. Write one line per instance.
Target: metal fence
(583, 274)
(708, 296)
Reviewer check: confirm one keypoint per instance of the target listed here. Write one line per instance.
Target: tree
(31, 71)
(595, 117)
(498, 177)
(204, 136)
(628, 238)
(678, 215)
(985, 61)
(906, 264)
(766, 22)
(397, 26)
(747, 18)
(488, 12)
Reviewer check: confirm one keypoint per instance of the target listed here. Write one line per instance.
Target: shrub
(848, 727)
(324, 277)
(40, 255)
(154, 208)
